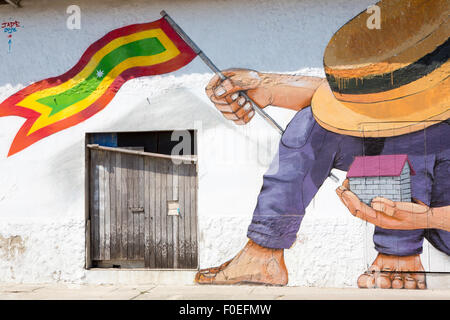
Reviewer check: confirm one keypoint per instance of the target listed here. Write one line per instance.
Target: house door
(143, 209)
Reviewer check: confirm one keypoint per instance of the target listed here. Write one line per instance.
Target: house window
(142, 200)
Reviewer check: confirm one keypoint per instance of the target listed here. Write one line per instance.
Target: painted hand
(386, 213)
(226, 94)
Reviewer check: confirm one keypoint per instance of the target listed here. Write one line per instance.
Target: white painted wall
(42, 187)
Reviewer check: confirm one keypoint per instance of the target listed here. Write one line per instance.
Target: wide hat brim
(393, 118)
(390, 81)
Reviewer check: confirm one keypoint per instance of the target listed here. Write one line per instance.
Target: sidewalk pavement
(197, 292)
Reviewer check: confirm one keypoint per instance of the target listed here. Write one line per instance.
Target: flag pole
(216, 70)
(222, 77)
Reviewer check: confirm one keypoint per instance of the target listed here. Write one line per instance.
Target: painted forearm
(440, 218)
(290, 91)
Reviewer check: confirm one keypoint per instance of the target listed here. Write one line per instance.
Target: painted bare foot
(252, 265)
(394, 272)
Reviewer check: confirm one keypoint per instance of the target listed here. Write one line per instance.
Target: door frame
(87, 197)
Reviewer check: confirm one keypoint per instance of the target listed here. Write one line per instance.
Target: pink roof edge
(379, 166)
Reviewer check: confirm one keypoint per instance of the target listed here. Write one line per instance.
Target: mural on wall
(382, 115)
(55, 104)
(10, 27)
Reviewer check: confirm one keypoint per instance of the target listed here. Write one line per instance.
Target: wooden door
(172, 239)
(132, 199)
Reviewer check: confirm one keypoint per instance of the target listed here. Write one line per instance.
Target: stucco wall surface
(42, 196)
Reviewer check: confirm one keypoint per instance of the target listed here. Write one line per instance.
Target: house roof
(379, 166)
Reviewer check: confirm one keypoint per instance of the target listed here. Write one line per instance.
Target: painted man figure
(386, 93)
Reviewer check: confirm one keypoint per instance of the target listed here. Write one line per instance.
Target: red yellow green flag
(55, 104)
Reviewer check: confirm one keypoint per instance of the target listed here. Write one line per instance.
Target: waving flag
(55, 104)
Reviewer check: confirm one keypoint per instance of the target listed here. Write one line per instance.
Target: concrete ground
(195, 292)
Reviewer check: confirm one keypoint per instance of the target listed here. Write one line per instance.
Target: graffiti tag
(9, 28)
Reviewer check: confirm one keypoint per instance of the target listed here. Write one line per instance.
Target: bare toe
(383, 281)
(410, 282)
(421, 285)
(397, 282)
(420, 280)
(366, 280)
(203, 278)
(215, 269)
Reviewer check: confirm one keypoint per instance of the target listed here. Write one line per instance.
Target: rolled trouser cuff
(401, 253)
(275, 231)
(398, 242)
(268, 241)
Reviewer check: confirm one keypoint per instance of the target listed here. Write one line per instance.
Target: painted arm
(280, 90)
(395, 215)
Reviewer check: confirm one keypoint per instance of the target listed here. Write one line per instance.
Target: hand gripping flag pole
(219, 73)
(216, 70)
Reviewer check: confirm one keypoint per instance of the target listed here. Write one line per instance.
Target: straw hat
(388, 81)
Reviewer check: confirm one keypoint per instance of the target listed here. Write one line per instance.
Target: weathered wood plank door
(143, 209)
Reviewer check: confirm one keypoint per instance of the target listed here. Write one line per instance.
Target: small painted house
(387, 176)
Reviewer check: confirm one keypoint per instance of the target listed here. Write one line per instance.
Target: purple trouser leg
(306, 155)
(305, 158)
(429, 154)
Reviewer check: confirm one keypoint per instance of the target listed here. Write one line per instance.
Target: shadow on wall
(286, 24)
(177, 109)
(180, 109)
